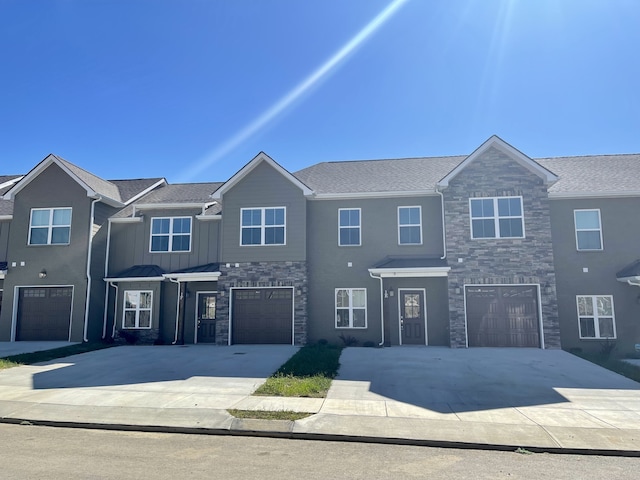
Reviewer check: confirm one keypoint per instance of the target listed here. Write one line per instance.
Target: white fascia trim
(6, 217)
(134, 279)
(350, 196)
(11, 182)
(2, 274)
(145, 191)
(635, 281)
(209, 217)
(570, 195)
(496, 142)
(261, 157)
(414, 272)
(126, 220)
(194, 277)
(160, 206)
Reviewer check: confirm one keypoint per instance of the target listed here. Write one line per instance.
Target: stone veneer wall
(263, 275)
(499, 261)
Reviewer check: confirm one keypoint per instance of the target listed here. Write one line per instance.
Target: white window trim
(171, 234)
(50, 226)
(596, 323)
(599, 229)
(419, 225)
(340, 227)
(137, 310)
(351, 308)
(496, 217)
(263, 227)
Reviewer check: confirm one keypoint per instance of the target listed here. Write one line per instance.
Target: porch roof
(410, 266)
(200, 273)
(138, 273)
(630, 274)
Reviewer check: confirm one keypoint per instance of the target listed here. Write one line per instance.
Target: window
(351, 308)
(50, 226)
(137, 309)
(588, 229)
(595, 316)
(262, 226)
(499, 217)
(410, 225)
(171, 234)
(348, 226)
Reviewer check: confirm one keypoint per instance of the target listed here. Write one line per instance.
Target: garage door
(503, 316)
(262, 315)
(44, 313)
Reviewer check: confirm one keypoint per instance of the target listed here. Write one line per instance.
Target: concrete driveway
(15, 348)
(154, 376)
(512, 386)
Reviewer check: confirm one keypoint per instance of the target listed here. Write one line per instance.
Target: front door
(206, 317)
(412, 317)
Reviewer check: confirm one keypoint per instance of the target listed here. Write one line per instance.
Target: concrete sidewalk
(190, 389)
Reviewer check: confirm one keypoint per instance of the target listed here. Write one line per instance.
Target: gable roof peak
(248, 168)
(496, 142)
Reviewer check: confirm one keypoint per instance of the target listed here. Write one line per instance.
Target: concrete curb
(283, 429)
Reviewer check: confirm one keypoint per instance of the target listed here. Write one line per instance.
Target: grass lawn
(610, 363)
(307, 374)
(46, 355)
(267, 415)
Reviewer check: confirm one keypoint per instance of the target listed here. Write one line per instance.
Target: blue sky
(193, 89)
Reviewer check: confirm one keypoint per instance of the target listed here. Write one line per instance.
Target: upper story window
(410, 225)
(137, 309)
(50, 226)
(497, 217)
(170, 234)
(262, 226)
(588, 229)
(348, 227)
(595, 316)
(351, 308)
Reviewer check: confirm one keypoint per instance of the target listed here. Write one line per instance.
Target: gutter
(381, 344)
(88, 297)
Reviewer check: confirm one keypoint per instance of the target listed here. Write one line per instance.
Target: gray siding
(328, 265)
(499, 261)
(65, 264)
(264, 187)
(620, 233)
(130, 243)
(5, 226)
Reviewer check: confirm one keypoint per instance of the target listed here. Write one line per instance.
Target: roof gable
(502, 146)
(249, 167)
(93, 185)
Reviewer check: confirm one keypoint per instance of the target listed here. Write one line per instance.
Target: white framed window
(596, 318)
(137, 309)
(349, 227)
(496, 217)
(50, 226)
(351, 308)
(263, 226)
(410, 225)
(588, 229)
(170, 234)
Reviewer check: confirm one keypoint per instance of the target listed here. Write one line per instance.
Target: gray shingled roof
(378, 176)
(177, 193)
(6, 206)
(631, 270)
(394, 262)
(97, 184)
(140, 271)
(607, 174)
(130, 188)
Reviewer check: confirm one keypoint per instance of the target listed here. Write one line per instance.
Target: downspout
(444, 232)
(175, 338)
(88, 297)
(106, 286)
(381, 344)
(115, 310)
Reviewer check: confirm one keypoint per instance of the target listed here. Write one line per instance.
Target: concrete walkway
(8, 349)
(487, 398)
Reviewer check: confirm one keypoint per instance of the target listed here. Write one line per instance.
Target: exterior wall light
(42, 274)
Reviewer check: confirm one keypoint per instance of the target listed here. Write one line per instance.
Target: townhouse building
(490, 249)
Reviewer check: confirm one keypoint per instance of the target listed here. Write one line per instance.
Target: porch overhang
(630, 274)
(201, 273)
(410, 267)
(139, 273)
